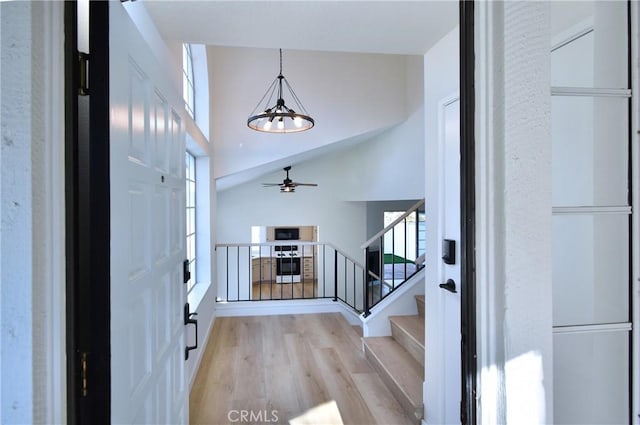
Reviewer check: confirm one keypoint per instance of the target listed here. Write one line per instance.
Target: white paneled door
(147, 233)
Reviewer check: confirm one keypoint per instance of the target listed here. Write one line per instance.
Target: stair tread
(405, 371)
(412, 325)
(358, 330)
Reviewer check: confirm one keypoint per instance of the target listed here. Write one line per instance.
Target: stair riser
(420, 303)
(411, 345)
(414, 414)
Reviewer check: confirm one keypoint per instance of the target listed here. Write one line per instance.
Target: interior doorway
(98, 402)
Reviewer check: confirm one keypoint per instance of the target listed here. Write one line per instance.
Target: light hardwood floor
(284, 291)
(280, 367)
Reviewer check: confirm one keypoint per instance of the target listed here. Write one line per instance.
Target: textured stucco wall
(514, 255)
(527, 206)
(16, 244)
(32, 364)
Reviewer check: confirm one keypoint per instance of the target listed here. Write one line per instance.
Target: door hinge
(83, 71)
(84, 372)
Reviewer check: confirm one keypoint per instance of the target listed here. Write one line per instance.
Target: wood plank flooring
(296, 368)
(267, 290)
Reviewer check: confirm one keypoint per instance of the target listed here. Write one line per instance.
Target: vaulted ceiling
(397, 28)
(389, 27)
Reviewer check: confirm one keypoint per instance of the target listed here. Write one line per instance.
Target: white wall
(390, 166)
(376, 210)
(347, 94)
(339, 221)
(386, 167)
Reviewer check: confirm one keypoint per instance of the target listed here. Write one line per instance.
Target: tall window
(188, 90)
(191, 216)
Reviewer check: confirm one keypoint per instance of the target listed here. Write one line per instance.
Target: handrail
(292, 242)
(393, 223)
(276, 243)
(331, 273)
(341, 252)
(338, 276)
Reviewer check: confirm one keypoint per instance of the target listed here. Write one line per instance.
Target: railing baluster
(369, 291)
(405, 249)
(343, 290)
(393, 257)
(367, 276)
(249, 273)
(270, 273)
(345, 279)
(324, 271)
(417, 235)
(355, 295)
(335, 275)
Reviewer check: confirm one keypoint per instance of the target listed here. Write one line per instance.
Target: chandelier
(279, 118)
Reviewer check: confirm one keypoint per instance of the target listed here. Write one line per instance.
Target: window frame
(190, 215)
(188, 80)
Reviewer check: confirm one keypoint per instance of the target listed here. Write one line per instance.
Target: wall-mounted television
(286, 233)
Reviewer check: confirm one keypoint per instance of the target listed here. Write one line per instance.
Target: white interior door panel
(147, 233)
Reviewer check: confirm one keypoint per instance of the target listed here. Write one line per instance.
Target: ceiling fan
(287, 184)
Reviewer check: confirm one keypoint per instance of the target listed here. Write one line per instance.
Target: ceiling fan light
(287, 184)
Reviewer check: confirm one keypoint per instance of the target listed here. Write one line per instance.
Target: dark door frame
(87, 221)
(468, 344)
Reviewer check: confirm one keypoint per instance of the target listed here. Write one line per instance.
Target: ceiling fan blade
(287, 184)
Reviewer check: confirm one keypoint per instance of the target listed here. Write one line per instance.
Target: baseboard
(277, 307)
(206, 313)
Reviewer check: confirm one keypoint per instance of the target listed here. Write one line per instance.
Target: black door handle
(189, 321)
(449, 285)
(186, 274)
